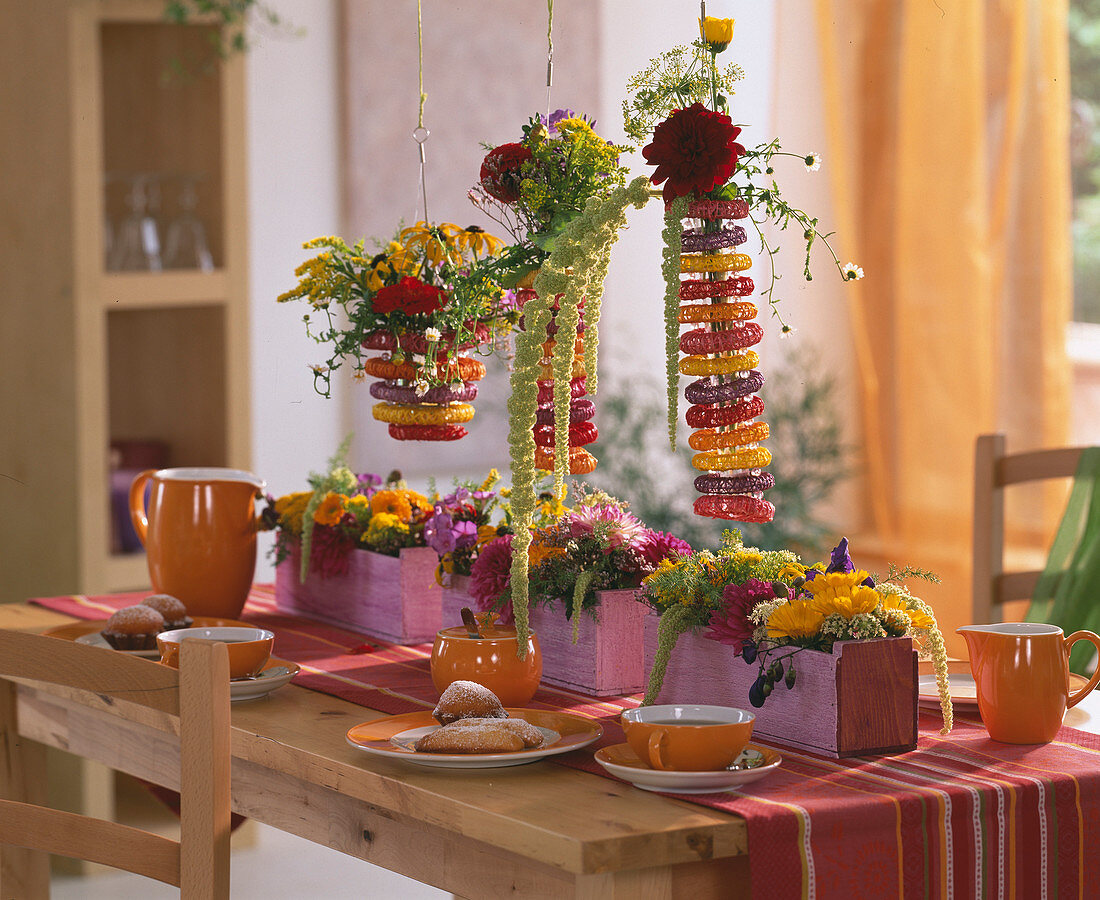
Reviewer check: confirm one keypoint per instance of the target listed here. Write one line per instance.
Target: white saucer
(276, 673)
(755, 762)
(95, 639)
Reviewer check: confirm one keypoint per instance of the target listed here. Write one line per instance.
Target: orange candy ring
(716, 312)
(720, 365)
(546, 371)
(548, 347)
(739, 507)
(425, 414)
(727, 461)
(700, 416)
(738, 436)
(464, 368)
(701, 341)
(427, 432)
(715, 262)
(581, 462)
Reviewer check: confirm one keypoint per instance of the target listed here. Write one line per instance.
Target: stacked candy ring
(464, 368)
(737, 336)
(701, 289)
(695, 239)
(580, 433)
(738, 436)
(718, 312)
(580, 411)
(425, 414)
(738, 208)
(715, 389)
(722, 461)
(741, 507)
(427, 432)
(734, 484)
(715, 262)
(741, 361)
(581, 462)
(715, 416)
(415, 342)
(577, 388)
(393, 392)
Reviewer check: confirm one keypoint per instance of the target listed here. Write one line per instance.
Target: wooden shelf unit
(96, 355)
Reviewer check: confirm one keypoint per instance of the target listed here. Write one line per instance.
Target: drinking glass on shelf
(185, 244)
(136, 245)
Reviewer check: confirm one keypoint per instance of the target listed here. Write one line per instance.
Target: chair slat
(96, 840)
(1037, 465)
(1014, 586)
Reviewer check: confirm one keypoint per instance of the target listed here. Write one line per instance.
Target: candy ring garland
(413, 409)
(582, 430)
(725, 407)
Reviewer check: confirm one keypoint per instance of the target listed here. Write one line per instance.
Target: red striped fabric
(960, 817)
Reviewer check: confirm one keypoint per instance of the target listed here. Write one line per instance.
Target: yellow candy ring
(720, 365)
(747, 458)
(738, 436)
(716, 312)
(546, 371)
(715, 262)
(427, 414)
(461, 369)
(581, 462)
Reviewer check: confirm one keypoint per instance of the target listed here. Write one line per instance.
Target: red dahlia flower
(694, 149)
(500, 171)
(731, 624)
(410, 296)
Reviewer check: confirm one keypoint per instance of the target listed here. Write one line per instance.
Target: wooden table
(540, 830)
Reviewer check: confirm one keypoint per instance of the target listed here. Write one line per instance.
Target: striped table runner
(960, 817)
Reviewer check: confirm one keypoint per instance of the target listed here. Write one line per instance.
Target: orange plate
(386, 737)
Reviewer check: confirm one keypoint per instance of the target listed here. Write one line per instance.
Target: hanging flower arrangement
(709, 190)
(425, 305)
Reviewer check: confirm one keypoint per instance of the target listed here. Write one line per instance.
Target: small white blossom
(421, 388)
(432, 334)
(851, 271)
(419, 359)
(812, 162)
(786, 331)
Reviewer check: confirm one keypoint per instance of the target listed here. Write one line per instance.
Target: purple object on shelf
(124, 538)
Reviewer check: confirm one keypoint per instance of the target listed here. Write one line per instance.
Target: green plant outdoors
(809, 460)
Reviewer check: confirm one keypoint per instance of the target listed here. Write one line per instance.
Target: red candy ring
(580, 434)
(716, 209)
(415, 342)
(734, 484)
(392, 392)
(716, 416)
(711, 389)
(579, 411)
(427, 432)
(577, 388)
(700, 289)
(701, 341)
(739, 507)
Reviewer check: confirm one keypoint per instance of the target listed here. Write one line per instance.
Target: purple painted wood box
(859, 700)
(609, 657)
(396, 599)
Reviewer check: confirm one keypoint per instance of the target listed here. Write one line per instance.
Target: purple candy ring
(712, 389)
(579, 411)
(578, 387)
(716, 209)
(734, 484)
(695, 239)
(392, 392)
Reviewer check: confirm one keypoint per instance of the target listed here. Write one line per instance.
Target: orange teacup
(199, 534)
(249, 648)
(489, 660)
(687, 738)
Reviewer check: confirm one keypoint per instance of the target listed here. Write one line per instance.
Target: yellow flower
(477, 241)
(717, 33)
(835, 584)
(791, 570)
(917, 617)
(290, 508)
(383, 524)
(750, 557)
(330, 510)
(394, 503)
(485, 533)
(430, 241)
(538, 552)
(862, 600)
(420, 504)
(794, 619)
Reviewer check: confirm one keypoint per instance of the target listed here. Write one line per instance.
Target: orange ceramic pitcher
(1021, 670)
(199, 535)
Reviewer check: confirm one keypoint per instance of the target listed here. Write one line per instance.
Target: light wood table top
(538, 830)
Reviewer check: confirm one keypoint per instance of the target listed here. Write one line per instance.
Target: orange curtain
(948, 141)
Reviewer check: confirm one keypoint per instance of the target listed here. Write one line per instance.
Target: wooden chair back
(198, 694)
(994, 470)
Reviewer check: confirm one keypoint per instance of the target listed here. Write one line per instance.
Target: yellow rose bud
(717, 33)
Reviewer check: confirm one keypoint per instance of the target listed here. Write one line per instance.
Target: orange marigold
(330, 510)
(396, 503)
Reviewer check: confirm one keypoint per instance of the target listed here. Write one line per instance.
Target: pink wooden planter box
(859, 700)
(455, 595)
(609, 656)
(392, 598)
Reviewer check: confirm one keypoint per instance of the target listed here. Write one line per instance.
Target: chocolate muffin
(173, 610)
(133, 628)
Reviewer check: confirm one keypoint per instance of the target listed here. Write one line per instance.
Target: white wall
(294, 194)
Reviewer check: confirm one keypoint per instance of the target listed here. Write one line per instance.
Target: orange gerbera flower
(330, 510)
(393, 502)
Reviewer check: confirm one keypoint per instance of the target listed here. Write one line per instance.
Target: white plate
(95, 639)
(392, 737)
(963, 690)
(622, 762)
(277, 673)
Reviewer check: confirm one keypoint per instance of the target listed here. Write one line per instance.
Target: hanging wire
(549, 54)
(420, 133)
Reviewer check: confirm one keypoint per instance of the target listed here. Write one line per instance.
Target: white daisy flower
(812, 162)
(432, 334)
(421, 388)
(851, 271)
(419, 359)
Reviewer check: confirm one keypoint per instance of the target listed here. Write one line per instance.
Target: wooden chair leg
(988, 555)
(23, 873)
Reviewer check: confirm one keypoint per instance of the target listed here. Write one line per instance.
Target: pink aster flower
(730, 625)
(621, 529)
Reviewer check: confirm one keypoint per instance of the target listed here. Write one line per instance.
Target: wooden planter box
(393, 598)
(859, 700)
(609, 656)
(455, 594)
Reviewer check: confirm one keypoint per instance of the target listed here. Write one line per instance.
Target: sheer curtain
(947, 127)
